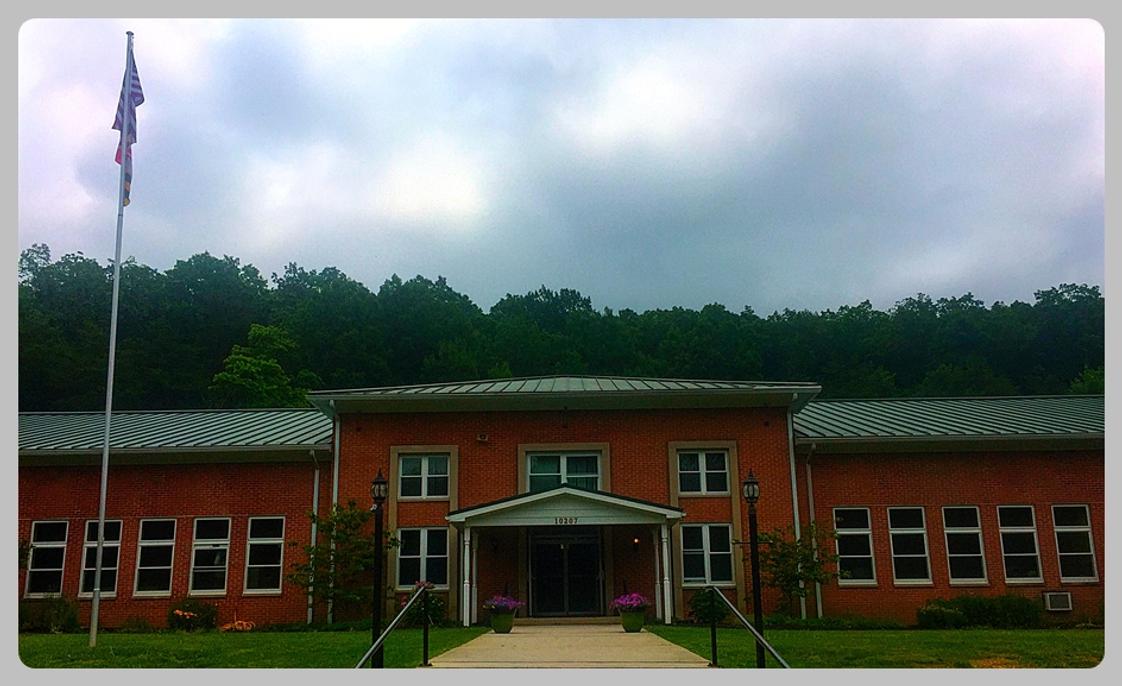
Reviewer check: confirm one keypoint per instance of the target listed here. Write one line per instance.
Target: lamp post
(379, 487)
(752, 495)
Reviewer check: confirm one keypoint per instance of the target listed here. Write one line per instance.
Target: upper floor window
(966, 561)
(550, 470)
(907, 535)
(110, 549)
(1019, 552)
(1072, 524)
(46, 558)
(209, 556)
(423, 476)
(703, 471)
(855, 546)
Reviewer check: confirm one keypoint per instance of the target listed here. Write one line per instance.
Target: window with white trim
(550, 470)
(854, 531)
(264, 558)
(154, 557)
(1019, 551)
(907, 535)
(966, 559)
(706, 553)
(1072, 525)
(423, 476)
(46, 559)
(422, 554)
(210, 554)
(110, 556)
(703, 471)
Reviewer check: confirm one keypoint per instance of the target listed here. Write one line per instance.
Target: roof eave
(897, 444)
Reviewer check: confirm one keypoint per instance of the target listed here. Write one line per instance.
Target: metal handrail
(422, 591)
(747, 625)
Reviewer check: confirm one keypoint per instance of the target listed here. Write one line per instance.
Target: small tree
(339, 573)
(792, 564)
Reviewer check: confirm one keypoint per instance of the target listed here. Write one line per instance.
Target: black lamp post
(752, 495)
(379, 488)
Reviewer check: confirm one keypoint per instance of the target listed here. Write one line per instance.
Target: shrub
(48, 615)
(136, 625)
(1009, 611)
(704, 608)
(416, 615)
(190, 614)
(845, 622)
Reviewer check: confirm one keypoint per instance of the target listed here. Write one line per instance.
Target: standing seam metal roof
(952, 417)
(174, 429)
(566, 384)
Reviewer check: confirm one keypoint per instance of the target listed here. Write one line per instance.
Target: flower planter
(632, 621)
(501, 624)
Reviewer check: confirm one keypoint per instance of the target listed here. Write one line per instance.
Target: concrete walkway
(570, 645)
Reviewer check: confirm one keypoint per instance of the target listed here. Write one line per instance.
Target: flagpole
(127, 90)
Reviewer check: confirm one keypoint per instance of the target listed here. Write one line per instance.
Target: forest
(214, 332)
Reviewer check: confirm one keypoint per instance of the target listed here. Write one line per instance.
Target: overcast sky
(644, 163)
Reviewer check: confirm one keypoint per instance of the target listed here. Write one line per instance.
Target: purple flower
(631, 602)
(502, 605)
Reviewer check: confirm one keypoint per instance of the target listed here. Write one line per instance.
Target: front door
(565, 574)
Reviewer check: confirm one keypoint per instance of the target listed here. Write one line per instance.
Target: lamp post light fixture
(379, 489)
(752, 495)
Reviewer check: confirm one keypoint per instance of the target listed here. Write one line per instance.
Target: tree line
(213, 332)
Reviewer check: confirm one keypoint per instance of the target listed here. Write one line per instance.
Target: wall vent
(1057, 602)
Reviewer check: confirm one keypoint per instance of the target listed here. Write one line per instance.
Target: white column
(475, 579)
(466, 613)
(657, 575)
(668, 609)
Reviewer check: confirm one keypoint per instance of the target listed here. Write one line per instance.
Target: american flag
(136, 99)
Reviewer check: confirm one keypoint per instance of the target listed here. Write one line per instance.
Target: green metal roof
(823, 421)
(174, 431)
(566, 384)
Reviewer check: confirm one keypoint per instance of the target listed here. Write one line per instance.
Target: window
(855, 546)
(422, 555)
(703, 471)
(109, 558)
(962, 528)
(424, 476)
(46, 558)
(1072, 524)
(155, 553)
(264, 554)
(209, 556)
(706, 554)
(549, 470)
(1019, 552)
(907, 536)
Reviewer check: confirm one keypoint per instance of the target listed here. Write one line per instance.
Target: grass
(214, 649)
(904, 648)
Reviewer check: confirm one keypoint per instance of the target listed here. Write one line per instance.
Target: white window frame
(1057, 529)
(702, 472)
(977, 530)
(868, 533)
(1019, 530)
(922, 530)
(209, 543)
(424, 476)
(92, 545)
(707, 554)
(423, 556)
(249, 543)
(163, 542)
(563, 466)
(49, 544)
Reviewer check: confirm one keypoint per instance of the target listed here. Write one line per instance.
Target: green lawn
(214, 649)
(916, 648)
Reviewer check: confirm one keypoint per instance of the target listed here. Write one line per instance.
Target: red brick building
(567, 491)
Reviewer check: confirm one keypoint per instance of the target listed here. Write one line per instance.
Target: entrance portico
(562, 541)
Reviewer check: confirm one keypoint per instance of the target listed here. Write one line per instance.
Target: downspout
(315, 510)
(795, 489)
(334, 498)
(810, 506)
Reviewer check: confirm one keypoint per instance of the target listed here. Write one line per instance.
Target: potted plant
(502, 609)
(632, 608)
